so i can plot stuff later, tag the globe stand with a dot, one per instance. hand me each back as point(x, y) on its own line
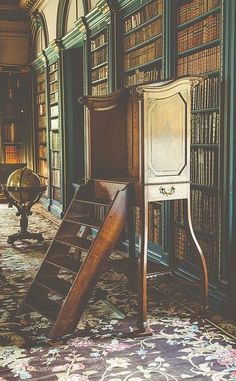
point(24, 212)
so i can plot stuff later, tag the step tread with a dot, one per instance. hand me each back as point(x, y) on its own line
point(94, 200)
point(66, 263)
point(59, 285)
point(43, 306)
point(87, 221)
point(79, 242)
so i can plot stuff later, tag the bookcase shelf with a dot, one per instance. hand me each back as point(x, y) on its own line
point(198, 42)
point(192, 11)
point(99, 63)
point(143, 44)
point(198, 18)
point(198, 48)
point(13, 125)
point(41, 144)
point(55, 134)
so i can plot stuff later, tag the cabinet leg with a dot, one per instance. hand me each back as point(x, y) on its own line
point(142, 263)
point(198, 251)
point(132, 265)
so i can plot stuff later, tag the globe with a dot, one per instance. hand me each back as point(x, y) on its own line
point(23, 185)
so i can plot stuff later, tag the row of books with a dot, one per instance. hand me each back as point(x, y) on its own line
point(143, 34)
point(11, 110)
point(144, 14)
point(199, 33)
point(41, 98)
point(56, 178)
point(205, 128)
point(41, 87)
point(184, 252)
point(100, 89)
point(53, 87)
point(100, 73)
point(53, 76)
point(44, 181)
point(13, 154)
point(42, 151)
point(206, 60)
point(54, 110)
point(53, 67)
point(11, 132)
point(42, 167)
point(41, 121)
point(190, 10)
point(142, 76)
point(41, 109)
point(204, 211)
point(206, 94)
point(143, 55)
point(40, 77)
point(54, 124)
point(12, 95)
point(155, 223)
point(203, 166)
point(13, 82)
point(55, 159)
point(99, 40)
point(42, 136)
point(99, 212)
point(53, 98)
point(99, 56)
point(55, 141)
point(56, 193)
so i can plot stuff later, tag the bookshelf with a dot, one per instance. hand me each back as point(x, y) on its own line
point(41, 135)
point(198, 42)
point(99, 63)
point(13, 120)
point(55, 134)
point(143, 44)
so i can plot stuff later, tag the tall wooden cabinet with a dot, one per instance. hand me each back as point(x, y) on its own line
point(162, 132)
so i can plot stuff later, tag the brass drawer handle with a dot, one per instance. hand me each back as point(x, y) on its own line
point(167, 192)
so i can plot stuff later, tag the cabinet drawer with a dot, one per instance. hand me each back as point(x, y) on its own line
point(170, 191)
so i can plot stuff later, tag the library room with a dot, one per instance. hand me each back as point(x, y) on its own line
point(117, 182)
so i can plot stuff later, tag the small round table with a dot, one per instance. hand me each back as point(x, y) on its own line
point(23, 208)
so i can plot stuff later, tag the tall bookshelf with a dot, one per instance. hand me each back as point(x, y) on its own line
point(198, 49)
point(41, 135)
point(55, 134)
point(13, 120)
point(99, 63)
point(143, 44)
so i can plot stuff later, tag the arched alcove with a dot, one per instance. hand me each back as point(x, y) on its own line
point(40, 34)
point(68, 12)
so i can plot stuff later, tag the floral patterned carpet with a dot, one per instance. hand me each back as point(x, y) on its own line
point(181, 346)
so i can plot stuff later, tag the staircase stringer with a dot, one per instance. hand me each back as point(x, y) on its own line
point(103, 244)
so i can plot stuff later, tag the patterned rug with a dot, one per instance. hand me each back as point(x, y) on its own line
point(181, 346)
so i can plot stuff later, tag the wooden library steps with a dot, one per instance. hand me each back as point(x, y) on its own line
point(64, 282)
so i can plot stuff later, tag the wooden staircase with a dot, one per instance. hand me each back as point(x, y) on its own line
point(64, 282)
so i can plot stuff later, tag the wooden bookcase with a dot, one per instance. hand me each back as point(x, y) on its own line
point(13, 119)
point(41, 126)
point(55, 134)
point(99, 63)
point(143, 44)
point(198, 49)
